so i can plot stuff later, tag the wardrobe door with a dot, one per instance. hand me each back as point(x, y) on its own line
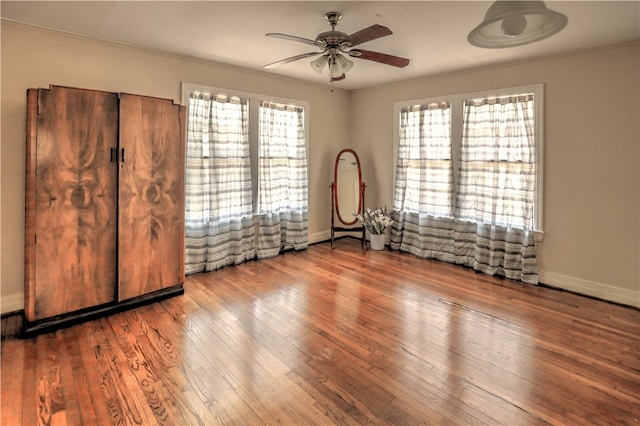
point(151, 200)
point(70, 200)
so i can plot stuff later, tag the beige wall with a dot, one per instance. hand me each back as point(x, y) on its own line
point(591, 148)
point(592, 138)
point(34, 57)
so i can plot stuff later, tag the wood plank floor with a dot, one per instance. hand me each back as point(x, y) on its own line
point(340, 336)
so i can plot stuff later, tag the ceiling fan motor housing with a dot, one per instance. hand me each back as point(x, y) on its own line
point(333, 18)
point(332, 38)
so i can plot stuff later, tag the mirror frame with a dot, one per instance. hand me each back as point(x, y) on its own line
point(335, 183)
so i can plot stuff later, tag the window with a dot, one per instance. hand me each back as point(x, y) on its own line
point(282, 158)
point(497, 162)
point(222, 164)
point(246, 177)
point(468, 181)
point(424, 159)
point(465, 156)
point(283, 200)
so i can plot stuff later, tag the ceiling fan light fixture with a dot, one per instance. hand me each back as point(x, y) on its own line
point(514, 23)
point(319, 64)
point(335, 70)
point(344, 63)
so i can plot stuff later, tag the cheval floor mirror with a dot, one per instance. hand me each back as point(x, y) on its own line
point(347, 195)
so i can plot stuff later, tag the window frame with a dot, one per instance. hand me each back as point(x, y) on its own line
point(457, 109)
point(254, 105)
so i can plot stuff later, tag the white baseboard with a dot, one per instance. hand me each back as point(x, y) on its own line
point(11, 303)
point(318, 237)
point(591, 288)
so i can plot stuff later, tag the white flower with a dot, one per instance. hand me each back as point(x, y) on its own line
point(375, 221)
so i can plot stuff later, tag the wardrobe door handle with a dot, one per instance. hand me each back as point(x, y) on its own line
point(122, 155)
point(114, 155)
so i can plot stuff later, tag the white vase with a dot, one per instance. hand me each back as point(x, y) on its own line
point(377, 241)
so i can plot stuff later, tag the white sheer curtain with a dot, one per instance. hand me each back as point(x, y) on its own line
point(424, 177)
point(496, 191)
point(498, 162)
point(487, 223)
point(219, 228)
point(283, 193)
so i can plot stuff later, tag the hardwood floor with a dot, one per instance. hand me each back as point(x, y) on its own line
point(340, 336)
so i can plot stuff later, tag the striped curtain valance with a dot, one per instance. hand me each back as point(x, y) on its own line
point(426, 107)
point(513, 99)
point(217, 97)
point(282, 107)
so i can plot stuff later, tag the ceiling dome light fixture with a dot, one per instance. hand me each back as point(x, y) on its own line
point(514, 23)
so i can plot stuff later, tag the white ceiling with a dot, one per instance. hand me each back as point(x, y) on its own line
point(432, 34)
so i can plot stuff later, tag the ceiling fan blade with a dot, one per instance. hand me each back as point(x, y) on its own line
point(370, 33)
point(342, 77)
point(295, 38)
point(291, 59)
point(383, 58)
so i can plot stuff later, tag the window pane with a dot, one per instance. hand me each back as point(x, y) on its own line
point(218, 170)
point(424, 176)
point(282, 159)
point(497, 166)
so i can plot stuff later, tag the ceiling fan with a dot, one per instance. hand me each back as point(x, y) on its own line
point(334, 45)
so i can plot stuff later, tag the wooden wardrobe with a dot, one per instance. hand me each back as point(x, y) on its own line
point(104, 204)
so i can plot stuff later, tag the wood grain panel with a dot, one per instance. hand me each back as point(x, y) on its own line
point(30, 206)
point(72, 216)
point(151, 200)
